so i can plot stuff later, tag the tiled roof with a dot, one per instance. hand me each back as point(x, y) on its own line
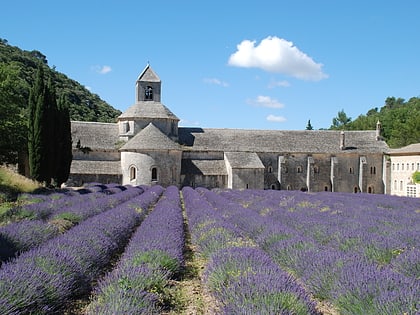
point(287, 141)
point(148, 75)
point(148, 109)
point(409, 149)
point(203, 167)
point(244, 160)
point(95, 135)
point(150, 138)
point(95, 167)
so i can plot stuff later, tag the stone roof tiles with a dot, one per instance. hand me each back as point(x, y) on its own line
point(203, 167)
point(148, 109)
point(244, 160)
point(95, 167)
point(148, 75)
point(150, 138)
point(95, 135)
point(310, 141)
point(413, 149)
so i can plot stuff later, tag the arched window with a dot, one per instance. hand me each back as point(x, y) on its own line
point(326, 188)
point(133, 173)
point(393, 166)
point(299, 169)
point(148, 93)
point(273, 187)
point(270, 169)
point(356, 189)
point(395, 185)
point(351, 170)
point(154, 174)
point(370, 190)
point(373, 170)
point(288, 187)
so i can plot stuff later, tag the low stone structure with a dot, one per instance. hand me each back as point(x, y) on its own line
point(147, 147)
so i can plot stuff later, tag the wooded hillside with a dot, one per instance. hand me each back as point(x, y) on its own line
point(84, 105)
point(400, 121)
point(17, 75)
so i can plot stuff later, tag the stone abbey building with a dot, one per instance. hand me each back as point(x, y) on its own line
point(147, 147)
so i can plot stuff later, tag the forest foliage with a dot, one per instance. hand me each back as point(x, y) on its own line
point(400, 121)
point(17, 75)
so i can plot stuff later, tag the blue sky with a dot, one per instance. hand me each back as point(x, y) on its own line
point(231, 64)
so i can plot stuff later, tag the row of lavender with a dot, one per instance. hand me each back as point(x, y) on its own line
point(241, 276)
point(359, 252)
point(57, 213)
point(44, 279)
point(152, 258)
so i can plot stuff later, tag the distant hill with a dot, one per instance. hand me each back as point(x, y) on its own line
point(84, 105)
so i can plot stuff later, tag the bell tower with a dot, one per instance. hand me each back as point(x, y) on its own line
point(148, 86)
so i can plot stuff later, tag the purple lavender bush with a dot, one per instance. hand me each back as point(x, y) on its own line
point(44, 279)
point(153, 256)
point(247, 281)
point(242, 277)
point(357, 251)
point(23, 235)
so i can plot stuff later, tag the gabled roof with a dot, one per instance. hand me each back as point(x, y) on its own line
point(283, 141)
point(95, 135)
point(95, 167)
point(244, 160)
point(411, 149)
point(148, 75)
point(203, 167)
point(150, 138)
point(148, 109)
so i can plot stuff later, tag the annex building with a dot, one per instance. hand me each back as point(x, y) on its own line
point(146, 147)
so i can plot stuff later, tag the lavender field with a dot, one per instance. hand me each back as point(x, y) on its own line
point(110, 249)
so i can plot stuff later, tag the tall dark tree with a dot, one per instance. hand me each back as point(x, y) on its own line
point(49, 138)
point(36, 128)
point(309, 125)
point(64, 143)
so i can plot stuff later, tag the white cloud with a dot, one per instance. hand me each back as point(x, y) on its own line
point(278, 55)
point(266, 101)
point(282, 83)
point(274, 118)
point(102, 69)
point(216, 82)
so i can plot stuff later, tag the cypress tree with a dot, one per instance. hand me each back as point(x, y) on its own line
point(49, 138)
point(64, 142)
point(35, 127)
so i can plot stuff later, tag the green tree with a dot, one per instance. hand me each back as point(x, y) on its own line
point(341, 121)
point(12, 118)
point(64, 143)
point(36, 128)
point(49, 138)
point(309, 126)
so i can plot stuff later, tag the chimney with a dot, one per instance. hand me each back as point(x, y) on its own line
point(378, 131)
point(342, 141)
